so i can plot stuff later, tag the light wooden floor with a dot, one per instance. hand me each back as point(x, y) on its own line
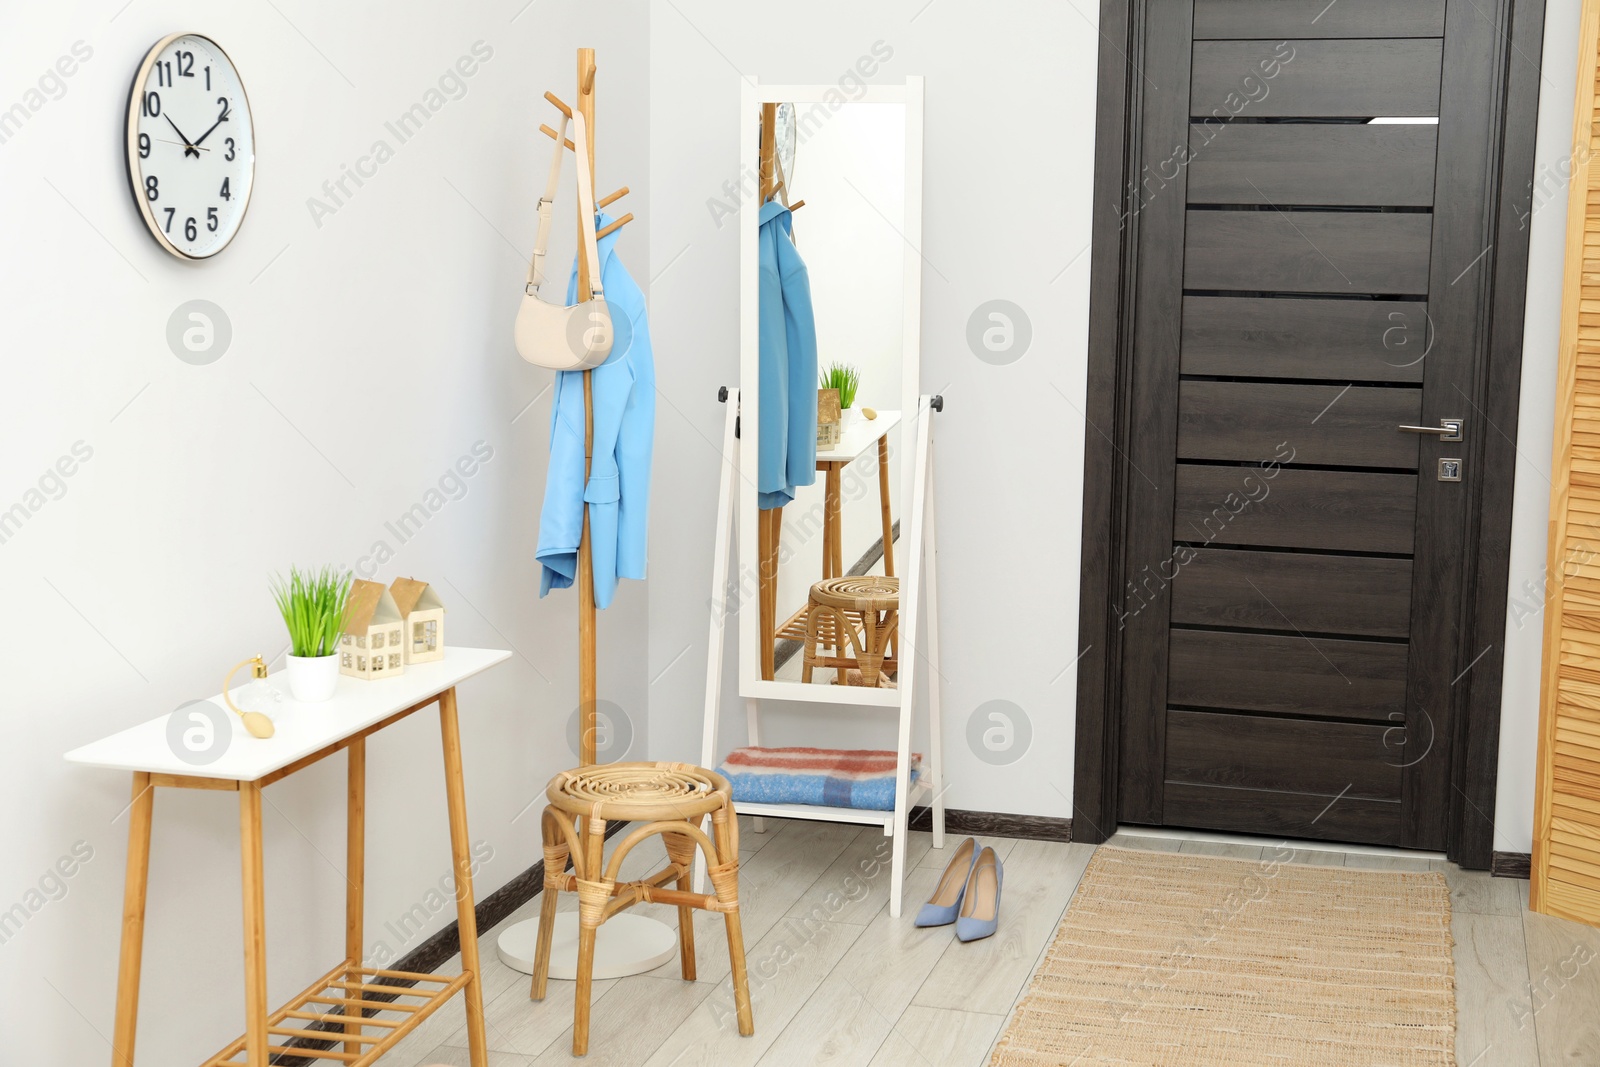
point(835, 980)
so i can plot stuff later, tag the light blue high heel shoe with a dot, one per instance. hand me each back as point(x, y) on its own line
point(942, 908)
point(980, 907)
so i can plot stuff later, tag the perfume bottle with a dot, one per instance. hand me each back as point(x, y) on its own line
point(256, 699)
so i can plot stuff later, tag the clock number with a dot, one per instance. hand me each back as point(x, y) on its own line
point(185, 64)
point(152, 104)
point(171, 211)
point(222, 102)
point(229, 143)
point(189, 232)
point(152, 188)
point(208, 79)
point(144, 146)
point(163, 73)
point(225, 194)
point(211, 219)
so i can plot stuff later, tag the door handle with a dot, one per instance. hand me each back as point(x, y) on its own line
point(1448, 429)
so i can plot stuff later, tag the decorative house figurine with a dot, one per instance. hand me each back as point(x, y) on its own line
point(829, 418)
point(423, 613)
point(374, 633)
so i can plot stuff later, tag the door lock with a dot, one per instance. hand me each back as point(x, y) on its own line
point(1448, 429)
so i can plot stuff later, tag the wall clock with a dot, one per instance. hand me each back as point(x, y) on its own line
point(191, 145)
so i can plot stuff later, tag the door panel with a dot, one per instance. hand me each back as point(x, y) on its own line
point(1319, 79)
point(1284, 814)
point(1340, 252)
point(1356, 595)
point(1305, 285)
point(1359, 681)
point(1282, 164)
point(1343, 511)
point(1317, 18)
point(1330, 425)
point(1280, 337)
point(1254, 752)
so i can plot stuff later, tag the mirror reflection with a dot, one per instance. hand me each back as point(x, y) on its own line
point(832, 311)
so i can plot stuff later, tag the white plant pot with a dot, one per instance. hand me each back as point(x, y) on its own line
point(849, 418)
point(312, 679)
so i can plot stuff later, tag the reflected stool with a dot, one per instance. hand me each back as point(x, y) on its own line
point(859, 613)
point(669, 799)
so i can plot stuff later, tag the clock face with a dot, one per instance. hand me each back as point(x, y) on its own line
point(191, 146)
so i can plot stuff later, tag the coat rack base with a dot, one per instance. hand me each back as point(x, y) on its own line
point(625, 944)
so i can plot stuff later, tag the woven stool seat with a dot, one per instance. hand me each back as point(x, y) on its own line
point(635, 792)
point(859, 592)
point(858, 617)
point(670, 800)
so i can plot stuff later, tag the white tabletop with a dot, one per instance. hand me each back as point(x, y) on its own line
point(301, 728)
point(859, 436)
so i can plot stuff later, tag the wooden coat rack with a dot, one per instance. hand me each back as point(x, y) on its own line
point(628, 944)
point(588, 685)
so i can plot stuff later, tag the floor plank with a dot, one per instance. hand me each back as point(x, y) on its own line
point(984, 976)
point(1478, 892)
point(855, 887)
point(1564, 970)
point(1225, 849)
point(1317, 857)
point(855, 1010)
point(1153, 844)
point(1366, 861)
point(1491, 984)
point(926, 1036)
point(786, 968)
point(630, 1021)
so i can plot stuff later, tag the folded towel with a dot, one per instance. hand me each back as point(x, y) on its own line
point(834, 778)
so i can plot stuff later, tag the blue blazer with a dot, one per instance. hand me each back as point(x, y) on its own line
point(788, 410)
point(618, 490)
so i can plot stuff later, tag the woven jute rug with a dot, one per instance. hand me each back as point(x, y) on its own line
point(1193, 961)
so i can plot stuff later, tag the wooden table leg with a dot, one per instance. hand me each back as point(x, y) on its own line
point(770, 529)
point(140, 813)
point(883, 505)
point(461, 854)
point(833, 553)
point(355, 878)
point(255, 925)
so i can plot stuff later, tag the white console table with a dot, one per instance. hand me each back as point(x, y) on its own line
point(348, 995)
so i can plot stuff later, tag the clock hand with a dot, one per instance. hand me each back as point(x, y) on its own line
point(187, 146)
point(214, 125)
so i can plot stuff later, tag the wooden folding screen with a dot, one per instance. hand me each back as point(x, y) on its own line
point(1566, 836)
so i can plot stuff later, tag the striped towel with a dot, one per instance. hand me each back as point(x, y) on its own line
point(834, 778)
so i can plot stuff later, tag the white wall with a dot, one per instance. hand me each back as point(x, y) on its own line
point(1530, 513)
point(368, 354)
point(1008, 172)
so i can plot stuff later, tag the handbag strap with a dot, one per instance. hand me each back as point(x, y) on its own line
point(591, 247)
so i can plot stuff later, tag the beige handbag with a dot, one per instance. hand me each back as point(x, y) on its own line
point(553, 335)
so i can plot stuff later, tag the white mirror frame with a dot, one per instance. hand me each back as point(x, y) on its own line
point(754, 94)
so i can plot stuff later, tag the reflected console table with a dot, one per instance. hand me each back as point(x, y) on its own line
point(858, 438)
point(342, 1003)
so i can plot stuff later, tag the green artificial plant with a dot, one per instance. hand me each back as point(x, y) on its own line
point(845, 378)
point(313, 604)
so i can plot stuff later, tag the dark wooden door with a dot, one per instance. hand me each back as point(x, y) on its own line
point(1304, 288)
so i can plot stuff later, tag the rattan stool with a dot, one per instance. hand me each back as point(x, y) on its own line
point(670, 799)
point(837, 605)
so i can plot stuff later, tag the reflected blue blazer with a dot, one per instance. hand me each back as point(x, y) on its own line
point(788, 454)
point(618, 490)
